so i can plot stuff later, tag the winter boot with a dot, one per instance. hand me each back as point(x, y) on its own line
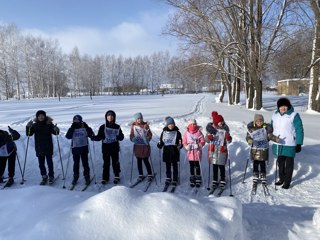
point(51, 180)
point(174, 183)
point(255, 177)
point(116, 180)
point(44, 180)
point(263, 178)
point(192, 181)
point(1, 179)
point(168, 181)
point(104, 182)
point(150, 177)
point(222, 184)
point(75, 179)
point(198, 181)
point(140, 177)
point(87, 179)
point(214, 184)
point(10, 181)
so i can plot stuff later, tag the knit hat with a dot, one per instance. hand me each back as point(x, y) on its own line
point(138, 115)
point(77, 118)
point(283, 102)
point(169, 120)
point(218, 119)
point(258, 117)
point(192, 121)
point(41, 112)
point(214, 114)
point(112, 113)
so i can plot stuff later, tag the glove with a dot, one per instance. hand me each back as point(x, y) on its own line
point(277, 139)
point(187, 147)
point(210, 137)
point(250, 141)
point(228, 138)
point(298, 148)
point(74, 125)
point(133, 139)
point(159, 145)
point(195, 146)
point(179, 146)
point(11, 131)
point(30, 123)
point(56, 129)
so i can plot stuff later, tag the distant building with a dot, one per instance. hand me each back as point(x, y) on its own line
point(171, 88)
point(293, 86)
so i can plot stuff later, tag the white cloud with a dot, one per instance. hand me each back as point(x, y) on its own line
point(126, 38)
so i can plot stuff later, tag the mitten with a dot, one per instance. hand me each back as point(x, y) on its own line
point(187, 147)
point(195, 146)
point(210, 137)
point(228, 138)
point(133, 139)
point(159, 145)
point(30, 123)
point(250, 141)
point(56, 129)
point(298, 148)
point(11, 131)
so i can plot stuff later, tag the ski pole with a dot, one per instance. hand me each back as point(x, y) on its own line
point(230, 177)
point(19, 162)
point(57, 134)
point(160, 163)
point(275, 175)
point(92, 166)
point(25, 157)
point(209, 169)
point(64, 181)
point(131, 165)
point(245, 171)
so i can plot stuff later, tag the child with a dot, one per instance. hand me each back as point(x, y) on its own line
point(258, 136)
point(110, 133)
point(171, 140)
point(193, 141)
point(43, 128)
point(141, 135)
point(8, 153)
point(218, 136)
point(79, 133)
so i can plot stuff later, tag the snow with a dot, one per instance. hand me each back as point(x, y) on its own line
point(30, 211)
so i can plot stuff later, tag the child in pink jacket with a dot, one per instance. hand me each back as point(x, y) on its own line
point(193, 141)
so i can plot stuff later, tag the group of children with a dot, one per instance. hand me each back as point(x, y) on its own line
point(171, 140)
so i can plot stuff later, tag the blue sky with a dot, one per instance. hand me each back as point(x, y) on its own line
point(127, 27)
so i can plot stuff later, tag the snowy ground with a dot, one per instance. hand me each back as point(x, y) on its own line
point(30, 211)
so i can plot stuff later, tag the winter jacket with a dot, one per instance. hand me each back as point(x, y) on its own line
point(140, 135)
point(259, 137)
point(7, 146)
point(193, 141)
point(42, 136)
point(288, 127)
point(79, 133)
point(171, 141)
point(218, 139)
point(110, 133)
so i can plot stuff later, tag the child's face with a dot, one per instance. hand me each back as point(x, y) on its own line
point(220, 124)
point(110, 118)
point(41, 117)
point(171, 126)
point(283, 109)
point(259, 123)
point(139, 120)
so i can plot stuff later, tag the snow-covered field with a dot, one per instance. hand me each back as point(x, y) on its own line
point(30, 211)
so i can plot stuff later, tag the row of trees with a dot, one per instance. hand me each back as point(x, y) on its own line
point(36, 67)
point(242, 40)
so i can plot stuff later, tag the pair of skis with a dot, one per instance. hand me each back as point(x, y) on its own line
point(166, 188)
point(140, 180)
point(264, 188)
point(213, 189)
point(44, 182)
point(72, 186)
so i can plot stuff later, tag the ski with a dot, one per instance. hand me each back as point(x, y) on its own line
point(254, 189)
point(137, 182)
point(148, 184)
point(173, 189)
point(166, 186)
point(87, 185)
point(212, 190)
point(72, 186)
point(220, 192)
point(7, 184)
point(50, 183)
point(265, 190)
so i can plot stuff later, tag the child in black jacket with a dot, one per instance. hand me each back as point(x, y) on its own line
point(110, 133)
point(170, 140)
point(79, 133)
point(8, 153)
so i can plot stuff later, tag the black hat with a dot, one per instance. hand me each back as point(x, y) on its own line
point(283, 102)
point(77, 118)
point(112, 113)
point(41, 112)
